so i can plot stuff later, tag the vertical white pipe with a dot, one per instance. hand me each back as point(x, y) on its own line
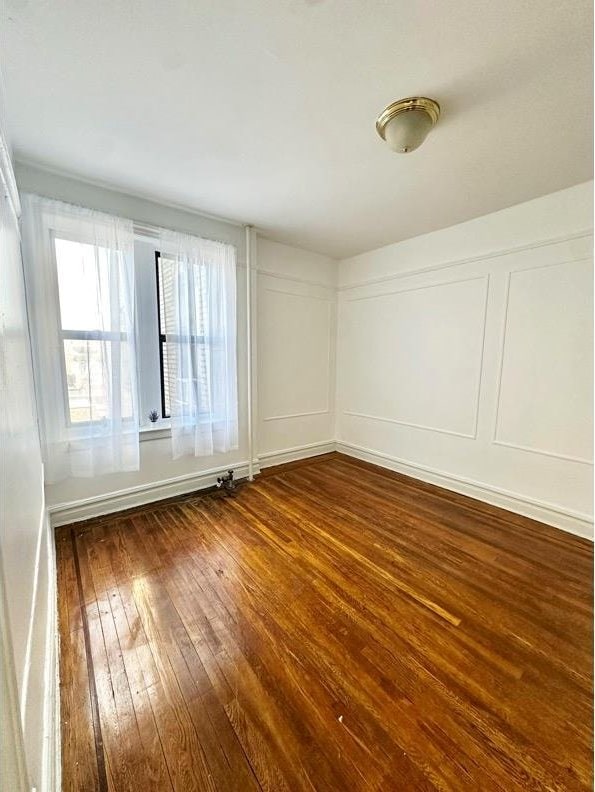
point(248, 230)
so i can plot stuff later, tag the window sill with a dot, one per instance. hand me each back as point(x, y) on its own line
point(160, 430)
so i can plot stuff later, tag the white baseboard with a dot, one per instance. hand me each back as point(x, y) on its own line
point(84, 509)
point(549, 513)
point(270, 458)
point(552, 514)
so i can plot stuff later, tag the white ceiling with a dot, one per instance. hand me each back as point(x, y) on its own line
point(263, 110)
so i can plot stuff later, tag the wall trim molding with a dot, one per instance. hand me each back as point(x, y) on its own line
point(542, 452)
point(502, 352)
point(294, 279)
point(549, 513)
point(406, 289)
point(97, 505)
point(472, 435)
point(296, 415)
point(270, 458)
point(410, 424)
point(469, 260)
point(331, 318)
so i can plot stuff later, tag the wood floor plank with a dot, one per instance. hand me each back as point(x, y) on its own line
point(332, 626)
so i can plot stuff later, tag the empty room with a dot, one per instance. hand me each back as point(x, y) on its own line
point(296, 396)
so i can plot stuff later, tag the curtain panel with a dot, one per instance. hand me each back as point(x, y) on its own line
point(198, 300)
point(79, 270)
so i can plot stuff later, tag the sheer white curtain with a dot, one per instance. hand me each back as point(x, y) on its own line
point(198, 303)
point(79, 267)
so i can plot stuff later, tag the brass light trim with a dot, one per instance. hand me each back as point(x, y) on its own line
point(431, 107)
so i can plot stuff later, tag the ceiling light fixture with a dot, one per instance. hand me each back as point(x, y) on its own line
point(405, 124)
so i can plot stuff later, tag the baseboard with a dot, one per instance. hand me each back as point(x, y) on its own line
point(84, 509)
point(549, 513)
point(270, 458)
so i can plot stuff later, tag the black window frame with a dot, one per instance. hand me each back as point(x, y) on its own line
point(192, 339)
point(162, 337)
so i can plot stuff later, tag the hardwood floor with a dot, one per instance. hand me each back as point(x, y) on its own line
point(333, 626)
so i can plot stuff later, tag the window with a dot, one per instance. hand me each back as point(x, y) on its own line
point(91, 349)
point(194, 345)
point(163, 349)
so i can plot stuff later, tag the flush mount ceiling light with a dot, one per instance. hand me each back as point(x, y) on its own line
point(405, 124)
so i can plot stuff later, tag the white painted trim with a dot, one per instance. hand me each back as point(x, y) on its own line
point(550, 513)
point(471, 260)
point(330, 355)
point(296, 279)
point(157, 432)
point(249, 367)
point(501, 353)
point(424, 286)
point(412, 425)
point(84, 509)
point(542, 452)
point(296, 415)
point(74, 511)
point(270, 458)
point(469, 436)
point(7, 176)
point(298, 295)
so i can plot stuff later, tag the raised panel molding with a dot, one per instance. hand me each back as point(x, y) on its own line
point(294, 279)
point(296, 415)
point(415, 425)
point(296, 294)
point(502, 351)
point(330, 302)
point(470, 260)
point(479, 364)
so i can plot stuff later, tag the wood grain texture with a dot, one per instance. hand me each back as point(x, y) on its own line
point(333, 626)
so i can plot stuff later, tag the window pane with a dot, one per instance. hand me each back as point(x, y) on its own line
point(195, 390)
point(88, 367)
point(84, 285)
point(166, 382)
point(160, 266)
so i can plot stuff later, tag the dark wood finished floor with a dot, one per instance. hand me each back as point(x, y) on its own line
point(333, 626)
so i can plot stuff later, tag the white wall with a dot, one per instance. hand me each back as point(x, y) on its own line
point(465, 357)
point(296, 302)
point(26, 557)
